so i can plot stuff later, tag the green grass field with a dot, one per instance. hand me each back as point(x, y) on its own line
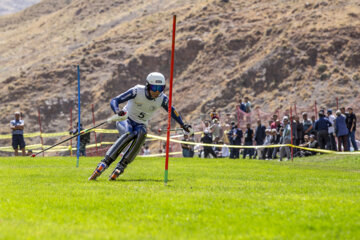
point(311, 198)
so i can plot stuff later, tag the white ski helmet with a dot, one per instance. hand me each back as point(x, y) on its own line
point(155, 82)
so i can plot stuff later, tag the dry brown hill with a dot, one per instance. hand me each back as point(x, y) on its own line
point(274, 51)
point(12, 6)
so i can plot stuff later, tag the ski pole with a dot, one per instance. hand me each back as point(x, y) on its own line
point(111, 119)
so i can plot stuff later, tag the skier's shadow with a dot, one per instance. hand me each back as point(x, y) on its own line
point(141, 180)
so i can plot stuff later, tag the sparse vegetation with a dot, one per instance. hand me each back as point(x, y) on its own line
point(322, 68)
point(356, 77)
point(324, 76)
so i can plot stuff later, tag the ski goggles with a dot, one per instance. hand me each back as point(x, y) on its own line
point(156, 88)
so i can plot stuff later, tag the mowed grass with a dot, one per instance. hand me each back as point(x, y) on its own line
point(311, 198)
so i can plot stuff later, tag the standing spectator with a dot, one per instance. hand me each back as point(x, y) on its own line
point(341, 131)
point(187, 149)
point(242, 105)
point(278, 140)
point(248, 141)
point(84, 139)
point(331, 145)
point(273, 124)
point(272, 142)
point(265, 153)
point(342, 109)
point(247, 105)
point(351, 125)
point(207, 127)
point(217, 132)
point(322, 128)
point(278, 125)
point(17, 127)
point(294, 133)
point(300, 131)
point(235, 135)
point(226, 134)
point(207, 138)
point(286, 139)
point(260, 135)
point(313, 131)
point(307, 124)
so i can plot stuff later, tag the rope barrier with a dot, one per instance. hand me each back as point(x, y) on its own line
point(152, 137)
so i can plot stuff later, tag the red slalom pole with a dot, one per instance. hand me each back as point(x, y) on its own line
point(170, 99)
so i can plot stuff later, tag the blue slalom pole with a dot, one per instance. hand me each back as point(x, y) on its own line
point(79, 119)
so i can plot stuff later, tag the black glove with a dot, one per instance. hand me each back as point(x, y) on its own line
point(120, 113)
point(186, 127)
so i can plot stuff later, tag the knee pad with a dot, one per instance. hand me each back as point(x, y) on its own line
point(134, 148)
point(115, 150)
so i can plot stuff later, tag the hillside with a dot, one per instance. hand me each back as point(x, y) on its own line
point(276, 52)
point(12, 6)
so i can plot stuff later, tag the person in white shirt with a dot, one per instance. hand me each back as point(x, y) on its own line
point(17, 127)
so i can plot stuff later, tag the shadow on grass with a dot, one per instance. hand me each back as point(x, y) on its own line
point(141, 180)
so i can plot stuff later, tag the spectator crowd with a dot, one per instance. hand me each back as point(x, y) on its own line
point(330, 131)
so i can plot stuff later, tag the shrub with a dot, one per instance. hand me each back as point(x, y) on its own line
point(356, 77)
point(322, 68)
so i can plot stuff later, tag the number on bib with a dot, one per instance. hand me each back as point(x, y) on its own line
point(141, 115)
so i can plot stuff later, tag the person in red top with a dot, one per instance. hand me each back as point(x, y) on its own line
point(273, 124)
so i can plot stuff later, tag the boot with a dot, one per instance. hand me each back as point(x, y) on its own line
point(99, 169)
point(115, 174)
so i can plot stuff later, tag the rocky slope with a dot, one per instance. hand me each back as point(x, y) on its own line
point(276, 52)
point(12, 6)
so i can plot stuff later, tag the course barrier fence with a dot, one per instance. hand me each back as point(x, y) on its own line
point(150, 137)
